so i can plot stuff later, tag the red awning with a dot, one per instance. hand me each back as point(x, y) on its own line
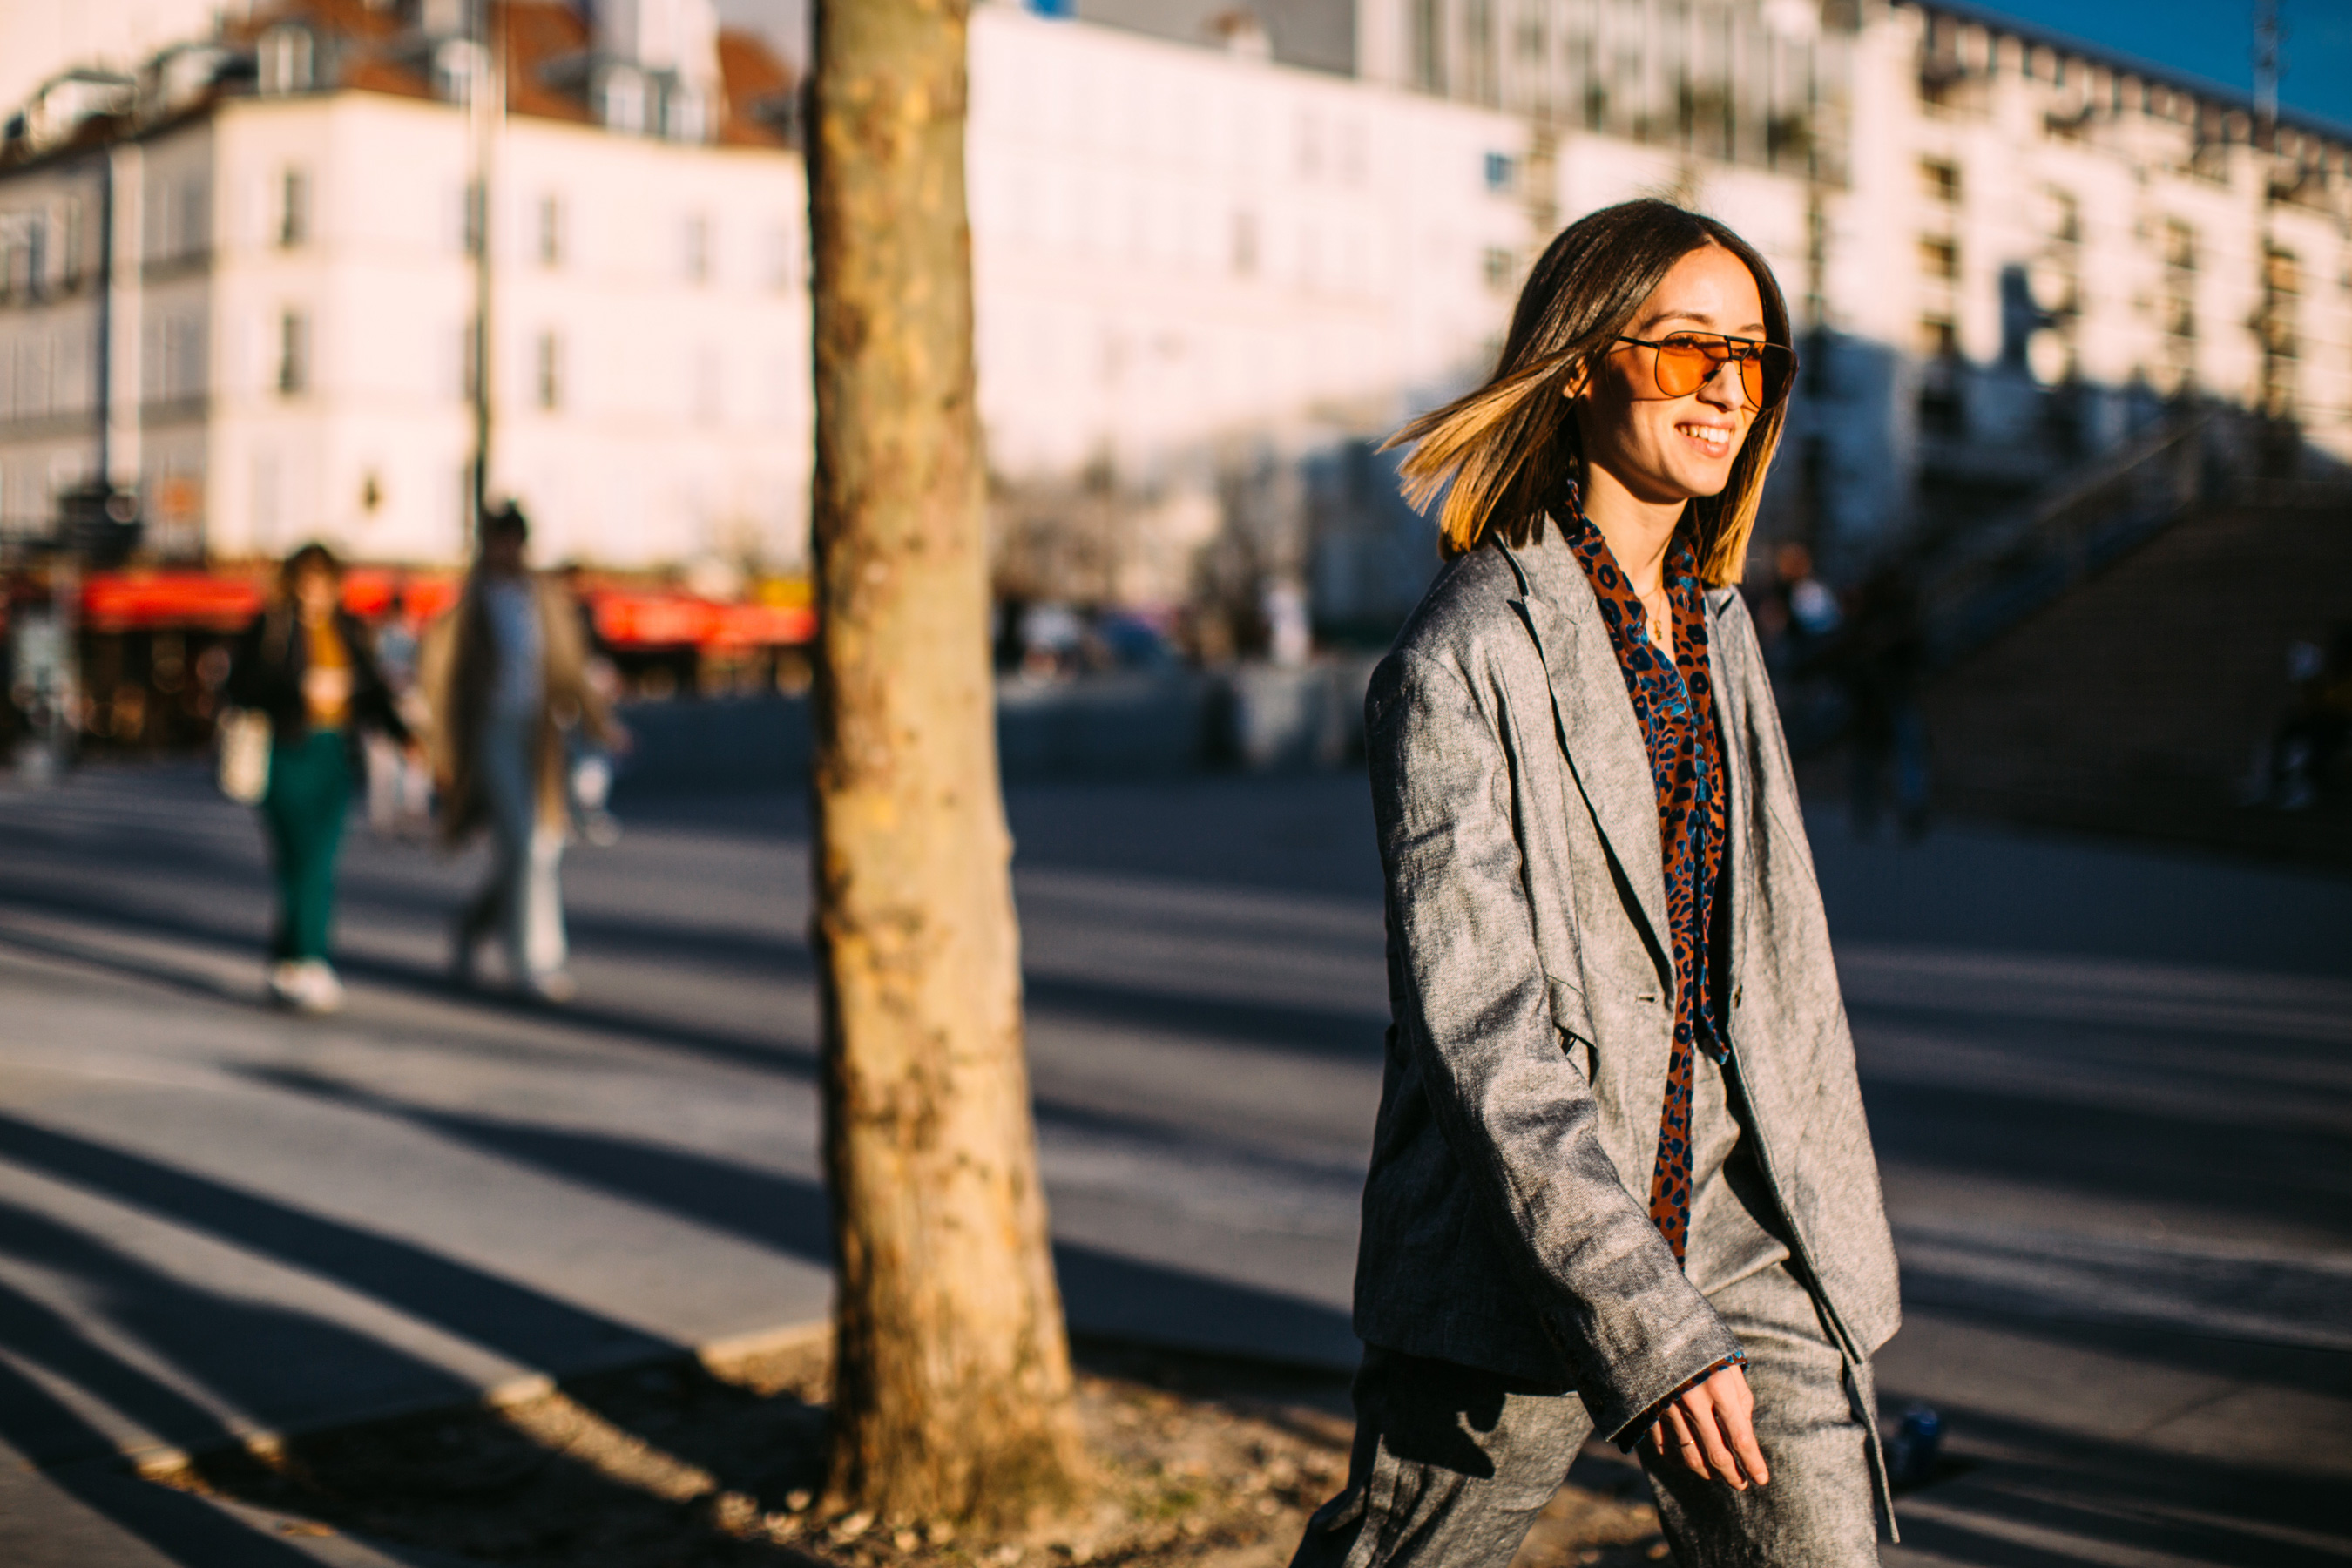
point(625, 618)
point(156, 600)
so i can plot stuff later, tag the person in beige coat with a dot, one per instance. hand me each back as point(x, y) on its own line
point(506, 674)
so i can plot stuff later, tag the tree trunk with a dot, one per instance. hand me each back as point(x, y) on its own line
point(952, 1389)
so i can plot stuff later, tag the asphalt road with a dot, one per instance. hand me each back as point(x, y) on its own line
point(2111, 1089)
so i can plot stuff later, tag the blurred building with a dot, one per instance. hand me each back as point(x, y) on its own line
point(1196, 271)
point(1219, 252)
point(241, 285)
point(2018, 250)
point(2047, 250)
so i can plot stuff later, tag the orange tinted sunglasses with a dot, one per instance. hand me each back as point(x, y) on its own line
point(1688, 361)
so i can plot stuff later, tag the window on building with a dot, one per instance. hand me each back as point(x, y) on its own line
point(190, 227)
point(182, 371)
point(698, 249)
point(1429, 45)
point(468, 361)
point(20, 250)
point(457, 64)
point(2179, 246)
point(73, 240)
point(283, 61)
point(293, 354)
point(293, 206)
point(1939, 257)
point(551, 231)
point(2064, 215)
point(1244, 253)
point(1942, 179)
point(1940, 339)
point(1499, 266)
point(1502, 172)
point(620, 95)
point(686, 114)
point(547, 365)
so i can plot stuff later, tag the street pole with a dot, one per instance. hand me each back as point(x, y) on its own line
point(2276, 399)
point(2268, 34)
point(486, 112)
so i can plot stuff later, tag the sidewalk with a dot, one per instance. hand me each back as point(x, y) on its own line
point(2111, 1095)
point(94, 1514)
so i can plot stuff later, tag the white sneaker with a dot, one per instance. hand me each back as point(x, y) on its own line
point(555, 987)
point(285, 983)
point(318, 990)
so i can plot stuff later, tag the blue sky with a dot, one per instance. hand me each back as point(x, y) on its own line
point(2214, 39)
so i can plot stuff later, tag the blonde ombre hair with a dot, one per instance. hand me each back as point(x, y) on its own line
point(1511, 450)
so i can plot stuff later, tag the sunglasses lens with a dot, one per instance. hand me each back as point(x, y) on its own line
point(1685, 364)
point(1684, 367)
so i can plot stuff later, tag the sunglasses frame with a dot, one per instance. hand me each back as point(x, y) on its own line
point(1657, 365)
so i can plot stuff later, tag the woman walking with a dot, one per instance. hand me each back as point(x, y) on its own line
point(1621, 1181)
point(307, 663)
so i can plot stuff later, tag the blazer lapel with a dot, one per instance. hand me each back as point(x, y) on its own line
point(1598, 728)
point(1728, 666)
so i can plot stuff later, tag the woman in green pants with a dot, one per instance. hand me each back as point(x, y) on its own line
point(308, 663)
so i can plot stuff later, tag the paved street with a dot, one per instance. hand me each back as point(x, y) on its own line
point(2112, 1091)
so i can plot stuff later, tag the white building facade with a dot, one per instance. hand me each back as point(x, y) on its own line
point(1207, 283)
point(290, 324)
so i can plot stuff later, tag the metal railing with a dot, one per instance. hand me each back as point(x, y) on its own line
point(1974, 586)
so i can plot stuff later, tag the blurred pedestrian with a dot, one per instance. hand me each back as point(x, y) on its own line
point(1610, 973)
point(399, 784)
point(2301, 764)
point(505, 675)
point(1880, 659)
point(1798, 613)
point(308, 666)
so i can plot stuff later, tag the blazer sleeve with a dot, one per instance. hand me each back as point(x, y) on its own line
point(1517, 1112)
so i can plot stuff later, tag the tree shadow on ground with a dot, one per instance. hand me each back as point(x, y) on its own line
point(1103, 1293)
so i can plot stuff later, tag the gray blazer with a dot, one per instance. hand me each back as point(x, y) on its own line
point(1531, 980)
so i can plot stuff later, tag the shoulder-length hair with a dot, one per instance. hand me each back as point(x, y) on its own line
point(1511, 448)
point(304, 559)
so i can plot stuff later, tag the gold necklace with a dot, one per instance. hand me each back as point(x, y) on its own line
point(1661, 625)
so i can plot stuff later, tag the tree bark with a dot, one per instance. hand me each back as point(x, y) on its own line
point(953, 1388)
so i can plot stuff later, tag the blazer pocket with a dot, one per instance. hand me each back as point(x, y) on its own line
point(1574, 1022)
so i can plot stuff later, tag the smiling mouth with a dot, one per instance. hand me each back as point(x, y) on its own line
point(1714, 439)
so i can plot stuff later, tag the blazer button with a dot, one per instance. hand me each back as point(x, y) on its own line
point(1735, 996)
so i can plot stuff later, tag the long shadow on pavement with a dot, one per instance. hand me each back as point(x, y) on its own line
point(2119, 1494)
point(1103, 1293)
point(531, 1328)
point(2242, 1165)
point(1287, 1027)
point(252, 1355)
point(181, 1528)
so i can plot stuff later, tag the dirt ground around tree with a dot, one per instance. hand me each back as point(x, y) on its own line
point(714, 1463)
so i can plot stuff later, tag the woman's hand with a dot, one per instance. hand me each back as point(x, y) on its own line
point(1707, 1425)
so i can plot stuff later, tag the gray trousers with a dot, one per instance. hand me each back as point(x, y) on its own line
point(1451, 1464)
point(522, 898)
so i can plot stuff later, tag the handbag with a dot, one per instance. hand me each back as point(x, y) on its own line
point(243, 762)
